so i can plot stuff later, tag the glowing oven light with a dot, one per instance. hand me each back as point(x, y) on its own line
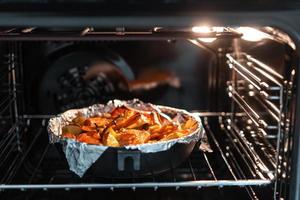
point(207, 29)
point(252, 34)
point(201, 29)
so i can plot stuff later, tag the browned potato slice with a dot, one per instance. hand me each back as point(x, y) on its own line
point(144, 119)
point(123, 123)
point(79, 120)
point(87, 139)
point(109, 138)
point(112, 141)
point(112, 132)
point(190, 124)
point(119, 111)
point(106, 115)
point(137, 124)
point(133, 137)
point(156, 136)
point(71, 129)
point(99, 121)
point(173, 135)
point(154, 128)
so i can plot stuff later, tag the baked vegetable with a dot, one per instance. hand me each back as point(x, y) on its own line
point(125, 126)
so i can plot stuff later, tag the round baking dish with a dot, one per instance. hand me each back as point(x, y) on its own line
point(128, 161)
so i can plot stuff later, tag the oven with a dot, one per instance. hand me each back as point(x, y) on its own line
point(236, 65)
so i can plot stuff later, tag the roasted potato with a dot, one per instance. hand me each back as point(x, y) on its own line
point(79, 120)
point(84, 137)
point(71, 129)
point(97, 121)
point(128, 126)
point(111, 141)
point(133, 137)
point(88, 128)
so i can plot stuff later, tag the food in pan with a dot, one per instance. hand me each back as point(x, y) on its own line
point(125, 126)
point(105, 135)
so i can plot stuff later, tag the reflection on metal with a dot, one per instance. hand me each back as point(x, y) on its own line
point(207, 40)
point(252, 34)
point(204, 183)
point(264, 95)
point(280, 36)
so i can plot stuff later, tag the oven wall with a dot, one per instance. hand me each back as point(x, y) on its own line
point(190, 64)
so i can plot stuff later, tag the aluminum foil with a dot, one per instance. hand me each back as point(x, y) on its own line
point(81, 156)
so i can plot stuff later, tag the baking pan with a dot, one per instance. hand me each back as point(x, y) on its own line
point(123, 162)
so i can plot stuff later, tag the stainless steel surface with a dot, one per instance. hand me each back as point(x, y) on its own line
point(113, 33)
point(261, 92)
point(206, 183)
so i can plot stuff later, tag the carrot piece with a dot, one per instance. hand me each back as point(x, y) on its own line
point(94, 134)
point(83, 137)
point(118, 111)
point(126, 122)
point(88, 128)
point(156, 136)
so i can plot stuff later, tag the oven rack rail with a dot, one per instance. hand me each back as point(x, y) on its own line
point(9, 106)
point(258, 90)
point(200, 170)
point(94, 33)
point(262, 80)
point(134, 186)
point(264, 96)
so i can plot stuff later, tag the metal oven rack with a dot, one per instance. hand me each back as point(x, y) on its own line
point(219, 168)
point(10, 143)
point(263, 95)
point(95, 33)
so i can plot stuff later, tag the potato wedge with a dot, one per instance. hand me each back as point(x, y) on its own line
point(88, 128)
point(190, 124)
point(124, 122)
point(79, 120)
point(83, 137)
point(124, 126)
point(112, 141)
point(172, 135)
point(74, 129)
point(119, 111)
point(98, 121)
point(94, 134)
point(133, 137)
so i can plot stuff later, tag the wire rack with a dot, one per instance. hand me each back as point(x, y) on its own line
point(10, 144)
point(42, 166)
point(94, 33)
point(264, 96)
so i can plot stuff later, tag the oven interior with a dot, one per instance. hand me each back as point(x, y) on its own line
point(240, 79)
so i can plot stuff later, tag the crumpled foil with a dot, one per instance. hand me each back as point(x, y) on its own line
point(81, 156)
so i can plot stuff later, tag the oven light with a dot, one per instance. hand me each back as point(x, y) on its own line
point(252, 34)
point(207, 29)
point(157, 29)
point(207, 40)
point(201, 29)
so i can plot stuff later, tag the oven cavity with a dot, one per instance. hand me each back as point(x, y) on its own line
point(241, 80)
